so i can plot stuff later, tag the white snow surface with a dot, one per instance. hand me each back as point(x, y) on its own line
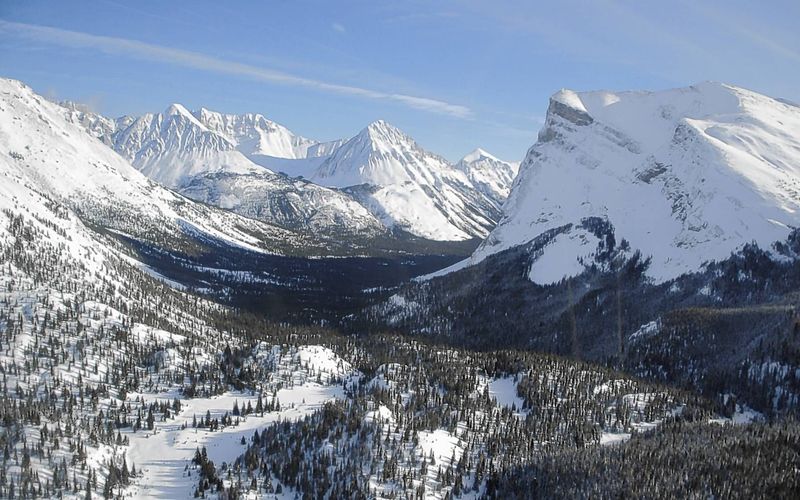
point(408, 186)
point(490, 175)
point(504, 391)
point(254, 134)
point(685, 175)
point(49, 163)
point(564, 257)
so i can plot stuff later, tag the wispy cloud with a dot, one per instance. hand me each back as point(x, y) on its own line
point(746, 27)
point(338, 28)
point(196, 60)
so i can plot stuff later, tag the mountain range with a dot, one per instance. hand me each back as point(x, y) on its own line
point(192, 305)
point(379, 184)
point(53, 168)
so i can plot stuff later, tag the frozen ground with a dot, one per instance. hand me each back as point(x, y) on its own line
point(163, 456)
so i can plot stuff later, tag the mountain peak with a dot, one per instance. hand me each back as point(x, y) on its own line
point(383, 132)
point(380, 125)
point(490, 175)
point(478, 154)
point(177, 109)
point(410, 188)
point(685, 175)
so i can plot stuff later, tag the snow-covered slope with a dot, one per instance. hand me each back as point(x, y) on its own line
point(201, 156)
point(174, 146)
point(291, 203)
point(50, 165)
point(407, 186)
point(684, 175)
point(255, 135)
point(490, 175)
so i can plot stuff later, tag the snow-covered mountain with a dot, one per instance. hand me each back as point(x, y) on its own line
point(172, 147)
point(408, 187)
point(177, 149)
point(684, 176)
point(288, 202)
point(490, 175)
point(254, 135)
point(57, 172)
point(378, 180)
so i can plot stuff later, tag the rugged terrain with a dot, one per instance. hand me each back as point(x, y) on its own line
point(154, 346)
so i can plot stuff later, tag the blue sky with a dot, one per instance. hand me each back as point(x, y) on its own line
point(453, 74)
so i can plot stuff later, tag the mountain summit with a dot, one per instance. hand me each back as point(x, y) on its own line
point(380, 154)
point(490, 175)
point(408, 187)
point(684, 176)
point(254, 134)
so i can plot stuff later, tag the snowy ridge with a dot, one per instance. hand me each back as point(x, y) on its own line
point(490, 175)
point(50, 163)
point(685, 175)
point(97, 125)
point(174, 146)
point(253, 134)
point(408, 186)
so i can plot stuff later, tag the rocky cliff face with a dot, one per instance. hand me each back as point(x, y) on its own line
point(684, 176)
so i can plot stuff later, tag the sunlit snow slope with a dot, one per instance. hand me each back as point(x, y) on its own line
point(407, 186)
point(684, 175)
point(490, 175)
point(48, 161)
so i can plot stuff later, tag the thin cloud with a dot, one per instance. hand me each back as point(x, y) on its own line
point(742, 26)
point(338, 28)
point(196, 60)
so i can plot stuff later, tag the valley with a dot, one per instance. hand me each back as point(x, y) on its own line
point(184, 314)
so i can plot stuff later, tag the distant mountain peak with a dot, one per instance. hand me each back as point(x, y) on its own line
point(478, 154)
point(408, 187)
point(489, 174)
point(380, 125)
point(177, 109)
point(382, 133)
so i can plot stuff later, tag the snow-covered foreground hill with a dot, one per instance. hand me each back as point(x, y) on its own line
point(297, 382)
point(684, 176)
point(139, 388)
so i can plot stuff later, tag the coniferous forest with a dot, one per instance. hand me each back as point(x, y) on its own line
point(203, 303)
point(98, 362)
